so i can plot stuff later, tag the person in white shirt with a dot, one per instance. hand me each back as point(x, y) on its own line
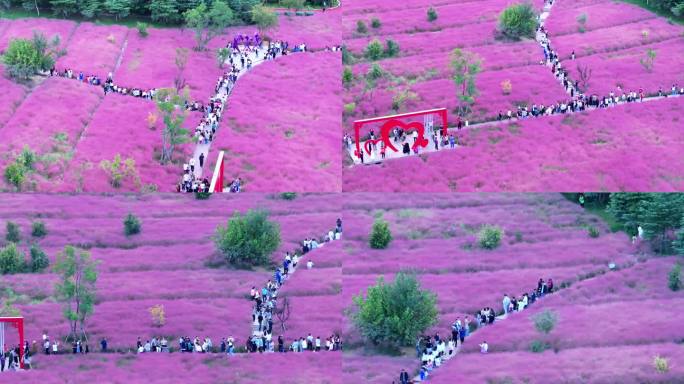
point(484, 347)
point(309, 264)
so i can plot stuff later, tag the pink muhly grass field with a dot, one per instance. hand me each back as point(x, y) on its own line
point(120, 126)
point(581, 152)
point(71, 106)
point(23, 28)
point(605, 14)
point(631, 364)
point(288, 368)
point(280, 130)
point(11, 97)
point(94, 49)
point(169, 254)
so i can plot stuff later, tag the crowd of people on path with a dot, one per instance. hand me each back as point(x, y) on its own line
point(265, 303)
point(433, 350)
point(9, 358)
point(243, 49)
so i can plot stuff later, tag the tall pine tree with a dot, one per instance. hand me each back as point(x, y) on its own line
point(659, 216)
point(164, 10)
point(118, 8)
point(625, 208)
point(64, 7)
point(90, 8)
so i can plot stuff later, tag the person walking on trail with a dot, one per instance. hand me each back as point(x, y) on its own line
point(506, 303)
point(403, 377)
point(484, 347)
point(201, 160)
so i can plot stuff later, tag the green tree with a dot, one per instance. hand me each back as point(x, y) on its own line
point(38, 229)
point(660, 215)
point(171, 106)
point(13, 233)
point(431, 14)
point(394, 314)
point(142, 29)
point(248, 240)
point(678, 243)
point(465, 66)
point(242, 9)
point(264, 18)
point(181, 61)
point(15, 175)
point(119, 170)
point(489, 236)
point(222, 55)
point(131, 225)
point(375, 23)
point(381, 235)
point(118, 8)
point(27, 158)
point(64, 7)
point(164, 10)
point(545, 321)
point(39, 260)
point(76, 288)
point(24, 58)
point(374, 50)
point(674, 281)
point(648, 60)
point(293, 4)
point(625, 208)
point(11, 259)
point(208, 22)
point(90, 8)
point(518, 21)
point(361, 27)
point(347, 77)
point(391, 48)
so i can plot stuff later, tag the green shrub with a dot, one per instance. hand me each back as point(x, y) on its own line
point(15, 174)
point(347, 77)
point(431, 14)
point(582, 21)
point(593, 232)
point(11, 260)
point(518, 236)
point(248, 240)
point(361, 27)
point(380, 236)
point(489, 236)
point(131, 225)
point(27, 158)
point(349, 108)
point(545, 321)
point(538, 346)
point(38, 229)
point(518, 21)
point(142, 29)
point(202, 195)
point(674, 281)
point(374, 50)
point(12, 233)
point(391, 48)
point(661, 364)
point(347, 57)
point(375, 23)
point(394, 314)
point(288, 195)
point(39, 260)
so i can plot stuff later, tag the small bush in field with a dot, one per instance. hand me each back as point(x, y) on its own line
point(490, 236)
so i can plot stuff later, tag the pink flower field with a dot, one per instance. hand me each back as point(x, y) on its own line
point(166, 265)
point(281, 126)
point(590, 156)
point(119, 369)
point(96, 129)
point(629, 313)
point(596, 150)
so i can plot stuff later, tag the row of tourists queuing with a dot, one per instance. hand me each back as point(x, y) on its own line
point(578, 102)
point(434, 350)
point(108, 86)
point(245, 52)
point(266, 304)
